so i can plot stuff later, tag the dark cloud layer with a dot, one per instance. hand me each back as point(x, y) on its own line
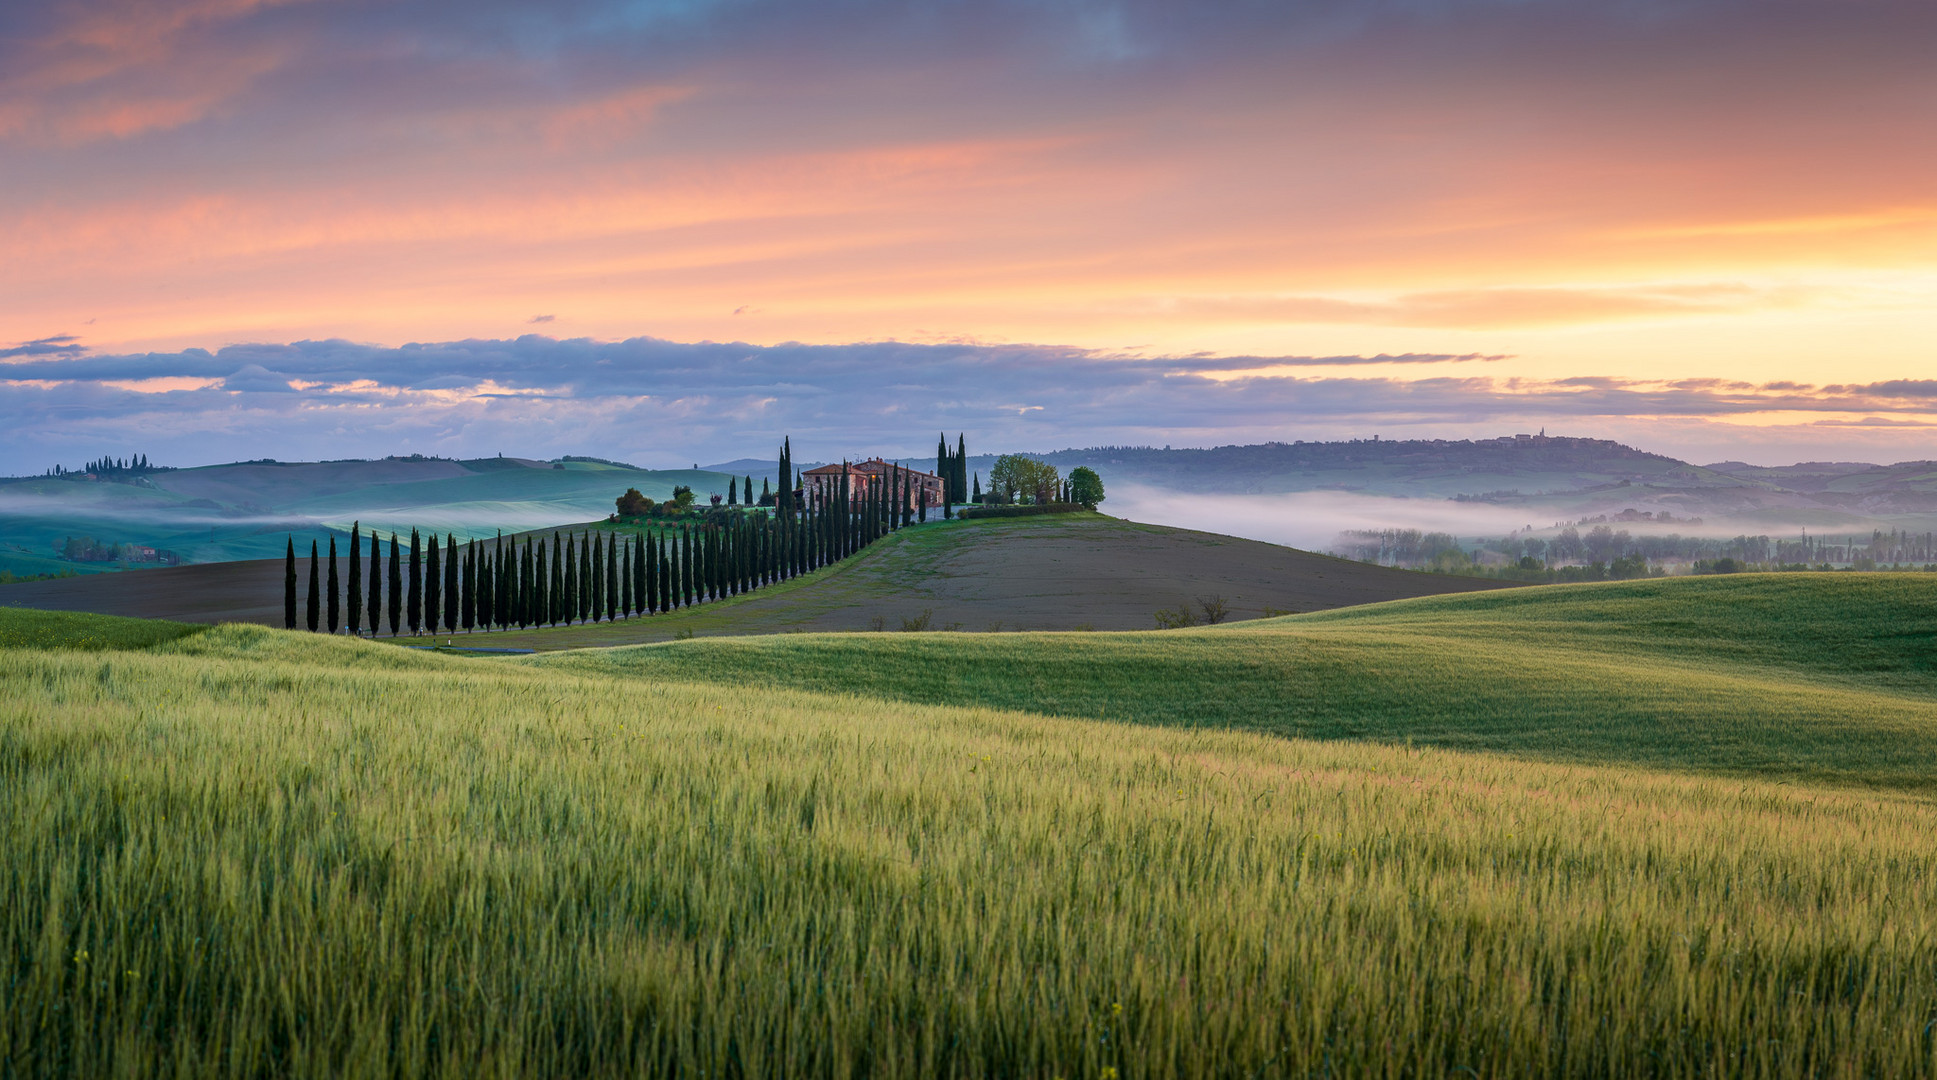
point(652, 400)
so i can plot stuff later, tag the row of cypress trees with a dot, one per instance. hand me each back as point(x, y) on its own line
point(953, 469)
point(524, 582)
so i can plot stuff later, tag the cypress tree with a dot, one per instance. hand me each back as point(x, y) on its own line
point(977, 497)
point(649, 545)
point(594, 577)
point(639, 579)
point(746, 485)
point(668, 557)
point(552, 570)
point(584, 577)
point(844, 508)
point(486, 593)
point(942, 463)
point(355, 596)
point(961, 466)
point(452, 610)
point(396, 597)
point(669, 583)
point(716, 562)
point(516, 581)
point(289, 587)
point(766, 490)
point(544, 597)
point(331, 608)
point(311, 613)
point(688, 590)
point(375, 606)
point(568, 570)
point(784, 499)
point(628, 580)
point(414, 601)
point(613, 579)
point(433, 584)
point(924, 504)
point(501, 588)
point(468, 616)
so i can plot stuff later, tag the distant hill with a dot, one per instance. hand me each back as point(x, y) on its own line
point(1559, 475)
point(245, 510)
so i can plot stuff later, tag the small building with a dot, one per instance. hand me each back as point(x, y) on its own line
point(862, 477)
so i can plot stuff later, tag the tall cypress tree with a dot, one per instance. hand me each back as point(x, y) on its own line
point(468, 616)
point(375, 606)
point(649, 551)
point(500, 588)
point(977, 497)
point(331, 607)
point(614, 604)
point(942, 463)
point(289, 586)
point(396, 597)
point(594, 577)
point(689, 589)
point(668, 571)
point(582, 577)
point(526, 582)
point(414, 601)
point(453, 611)
point(433, 583)
point(355, 595)
point(544, 601)
point(638, 574)
point(312, 613)
point(961, 466)
point(784, 499)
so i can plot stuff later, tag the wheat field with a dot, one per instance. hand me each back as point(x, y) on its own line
point(245, 852)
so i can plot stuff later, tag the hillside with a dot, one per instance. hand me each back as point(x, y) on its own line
point(1826, 677)
point(242, 511)
point(1045, 573)
point(251, 851)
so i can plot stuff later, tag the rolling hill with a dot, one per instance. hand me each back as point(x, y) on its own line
point(1057, 572)
point(1696, 842)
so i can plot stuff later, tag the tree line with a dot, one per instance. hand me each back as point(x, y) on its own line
point(528, 581)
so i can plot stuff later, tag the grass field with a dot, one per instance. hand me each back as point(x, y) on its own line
point(250, 852)
point(1829, 677)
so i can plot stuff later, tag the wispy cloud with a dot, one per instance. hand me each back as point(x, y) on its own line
point(59, 345)
point(650, 400)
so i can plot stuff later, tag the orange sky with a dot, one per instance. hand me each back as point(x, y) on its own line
point(1743, 191)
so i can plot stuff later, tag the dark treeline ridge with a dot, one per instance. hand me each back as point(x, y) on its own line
point(111, 468)
point(429, 586)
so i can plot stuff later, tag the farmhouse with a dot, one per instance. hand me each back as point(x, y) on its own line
point(863, 476)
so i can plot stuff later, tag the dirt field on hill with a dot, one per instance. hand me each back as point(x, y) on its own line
point(1052, 573)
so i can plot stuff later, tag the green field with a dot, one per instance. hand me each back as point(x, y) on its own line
point(1500, 834)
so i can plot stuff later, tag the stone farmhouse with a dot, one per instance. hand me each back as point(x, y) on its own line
point(862, 476)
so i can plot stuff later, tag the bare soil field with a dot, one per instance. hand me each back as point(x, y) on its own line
point(1073, 572)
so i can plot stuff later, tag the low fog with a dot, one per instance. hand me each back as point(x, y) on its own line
point(1310, 519)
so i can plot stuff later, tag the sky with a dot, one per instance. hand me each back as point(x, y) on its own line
point(669, 232)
